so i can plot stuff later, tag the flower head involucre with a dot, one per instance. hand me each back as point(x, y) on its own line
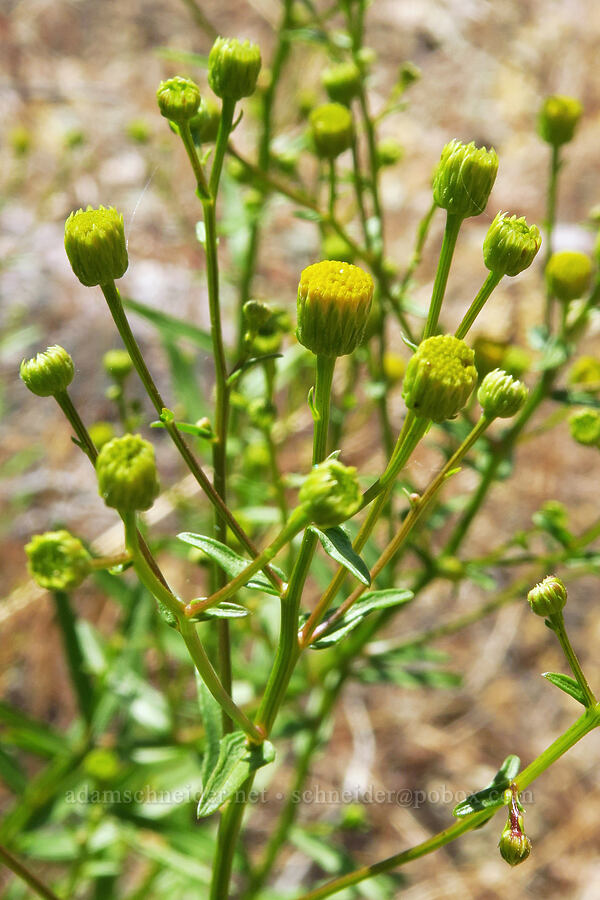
point(500, 395)
point(510, 245)
point(126, 471)
point(233, 68)
point(440, 378)
point(334, 301)
point(49, 373)
point(464, 178)
point(57, 560)
point(95, 245)
point(178, 99)
point(331, 493)
point(331, 129)
point(558, 119)
point(568, 274)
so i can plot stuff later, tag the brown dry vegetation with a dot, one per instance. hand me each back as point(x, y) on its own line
point(93, 67)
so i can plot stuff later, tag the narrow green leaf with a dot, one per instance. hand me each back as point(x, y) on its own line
point(567, 684)
point(223, 610)
point(212, 719)
point(492, 796)
point(11, 773)
point(230, 561)
point(254, 361)
point(367, 604)
point(338, 546)
point(170, 327)
point(22, 731)
point(235, 763)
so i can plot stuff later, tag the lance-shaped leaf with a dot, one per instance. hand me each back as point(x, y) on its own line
point(367, 604)
point(492, 796)
point(337, 545)
point(236, 761)
point(230, 561)
point(567, 684)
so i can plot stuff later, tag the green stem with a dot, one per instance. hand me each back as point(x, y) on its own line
point(227, 838)
point(558, 626)
point(412, 519)
point(422, 234)
point(225, 124)
point(115, 306)
point(297, 522)
point(80, 679)
point(492, 281)
point(589, 721)
point(25, 875)
point(550, 223)
point(453, 223)
point(187, 630)
point(332, 188)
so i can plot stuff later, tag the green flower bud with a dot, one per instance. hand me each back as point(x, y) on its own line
point(101, 433)
point(500, 395)
point(585, 373)
point(256, 314)
point(584, 425)
point(233, 68)
point(262, 414)
point(49, 373)
point(394, 367)
point(331, 129)
point(58, 561)
point(514, 844)
point(335, 247)
point(464, 178)
point(117, 363)
point(548, 597)
point(138, 130)
point(440, 377)
point(334, 300)
point(516, 361)
point(205, 124)
point(568, 275)
point(126, 471)
point(331, 493)
point(342, 82)
point(489, 354)
point(269, 336)
point(558, 119)
point(95, 245)
point(178, 99)
point(510, 246)
point(389, 152)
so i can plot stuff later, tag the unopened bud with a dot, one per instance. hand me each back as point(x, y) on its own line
point(548, 597)
point(510, 245)
point(57, 560)
point(500, 395)
point(95, 245)
point(178, 99)
point(584, 425)
point(117, 363)
point(342, 82)
point(330, 494)
point(558, 119)
point(464, 178)
point(126, 471)
point(331, 129)
point(233, 68)
point(514, 844)
point(205, 124)
point(49, 373)
point(568, 275)
point(440, 377)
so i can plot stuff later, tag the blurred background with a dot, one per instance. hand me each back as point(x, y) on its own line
point(80, 126)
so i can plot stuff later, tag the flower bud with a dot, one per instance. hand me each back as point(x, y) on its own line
point(568, 275)
point(342, 82)
point(389, 152)
point(584, 425)
point(126, 471)
point(500, 395)
point(95, 245)
point(585, 373)
point(464, 178)
point(548, 597)
point(256, 314)
point(334, 300)
point(510, 246)
point(49, 373)
point(440, 377)
point(335, 247)
point(514, 844)
point(330, 494)
point(101, 433)
point(331, 129)
point(117, 363)
point(178, 99)
point(558, 119)
point(233, 68)
point(57, 560)
point(205, 124)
